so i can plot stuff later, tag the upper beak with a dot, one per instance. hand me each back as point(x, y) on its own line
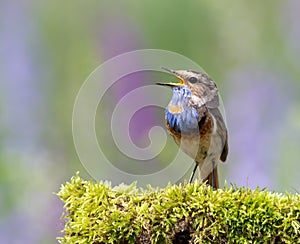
point(181, 80)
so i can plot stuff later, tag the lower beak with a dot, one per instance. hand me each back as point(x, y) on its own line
point(171, 84)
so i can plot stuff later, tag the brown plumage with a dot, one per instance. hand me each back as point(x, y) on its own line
point(196, 124)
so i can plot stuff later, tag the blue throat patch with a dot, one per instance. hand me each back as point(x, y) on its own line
point(182, 118)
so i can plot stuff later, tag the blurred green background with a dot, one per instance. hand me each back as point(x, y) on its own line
point(47, 50)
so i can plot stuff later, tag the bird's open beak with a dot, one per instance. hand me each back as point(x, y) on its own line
point(171, 84)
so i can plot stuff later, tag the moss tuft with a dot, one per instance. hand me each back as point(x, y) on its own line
point(190, 213)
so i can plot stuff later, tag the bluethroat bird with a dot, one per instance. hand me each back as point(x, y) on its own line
point(195, 122)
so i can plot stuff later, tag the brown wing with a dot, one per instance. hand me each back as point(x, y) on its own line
point(222, 131)
point(224, 154)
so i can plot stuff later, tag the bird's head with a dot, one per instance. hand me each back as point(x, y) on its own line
point(200, 84)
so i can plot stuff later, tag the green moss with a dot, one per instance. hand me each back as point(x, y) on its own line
point(96, 213)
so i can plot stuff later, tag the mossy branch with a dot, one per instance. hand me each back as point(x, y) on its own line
point(189, 213)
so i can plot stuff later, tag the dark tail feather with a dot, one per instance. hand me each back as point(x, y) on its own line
point(213, 179)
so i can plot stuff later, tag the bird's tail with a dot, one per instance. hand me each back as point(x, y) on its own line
point(213, 179)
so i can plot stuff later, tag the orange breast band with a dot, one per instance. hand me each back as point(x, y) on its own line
point(175, 109)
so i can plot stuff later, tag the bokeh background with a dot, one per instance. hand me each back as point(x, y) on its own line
point(48, 48)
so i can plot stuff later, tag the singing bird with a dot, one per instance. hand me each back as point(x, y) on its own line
point(195, 122)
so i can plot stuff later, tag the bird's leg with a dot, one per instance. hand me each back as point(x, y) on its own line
point(213, 175)
point(193, 173)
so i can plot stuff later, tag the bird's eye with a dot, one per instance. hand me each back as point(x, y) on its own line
point(193, 80)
